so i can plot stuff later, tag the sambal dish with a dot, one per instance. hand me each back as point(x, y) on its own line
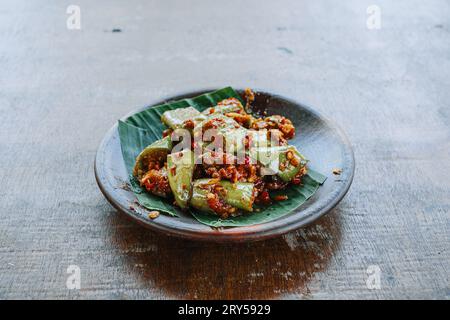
point(225, 160)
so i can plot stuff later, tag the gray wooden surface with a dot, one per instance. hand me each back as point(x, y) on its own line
point(60, 91)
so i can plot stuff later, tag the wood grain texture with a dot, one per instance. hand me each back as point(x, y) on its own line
point(61, 90)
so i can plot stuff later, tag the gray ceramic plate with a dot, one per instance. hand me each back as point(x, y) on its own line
point(321, 141)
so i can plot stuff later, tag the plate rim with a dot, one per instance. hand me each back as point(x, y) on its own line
point(235, 234)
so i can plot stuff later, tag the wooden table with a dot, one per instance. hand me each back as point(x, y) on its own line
point(61, 89)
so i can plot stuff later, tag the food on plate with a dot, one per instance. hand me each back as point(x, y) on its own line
point(224, 161)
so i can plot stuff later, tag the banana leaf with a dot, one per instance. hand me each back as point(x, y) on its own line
point(145, 127)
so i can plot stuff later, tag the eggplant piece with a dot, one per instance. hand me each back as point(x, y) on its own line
point(225, 106)
point(156, 152)
point(232, 132)
point(285, 161)
point(292, 163)
point(180, 168)
point(174, 118)
point(238, 195)
point(259, 138)
point(269, 157)
point(199, 192)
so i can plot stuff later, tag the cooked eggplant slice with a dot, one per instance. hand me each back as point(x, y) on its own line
point(285, 161)
point(239, 194)
point(225, 106)
point(291, 162)
point(175, 118)
point(233, 134)
point(180, 168)
point(222, 197)
point(154, 153)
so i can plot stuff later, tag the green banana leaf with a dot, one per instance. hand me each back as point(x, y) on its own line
point(145, 127)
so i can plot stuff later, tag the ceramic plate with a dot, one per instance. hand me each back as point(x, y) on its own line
point(321, 141)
